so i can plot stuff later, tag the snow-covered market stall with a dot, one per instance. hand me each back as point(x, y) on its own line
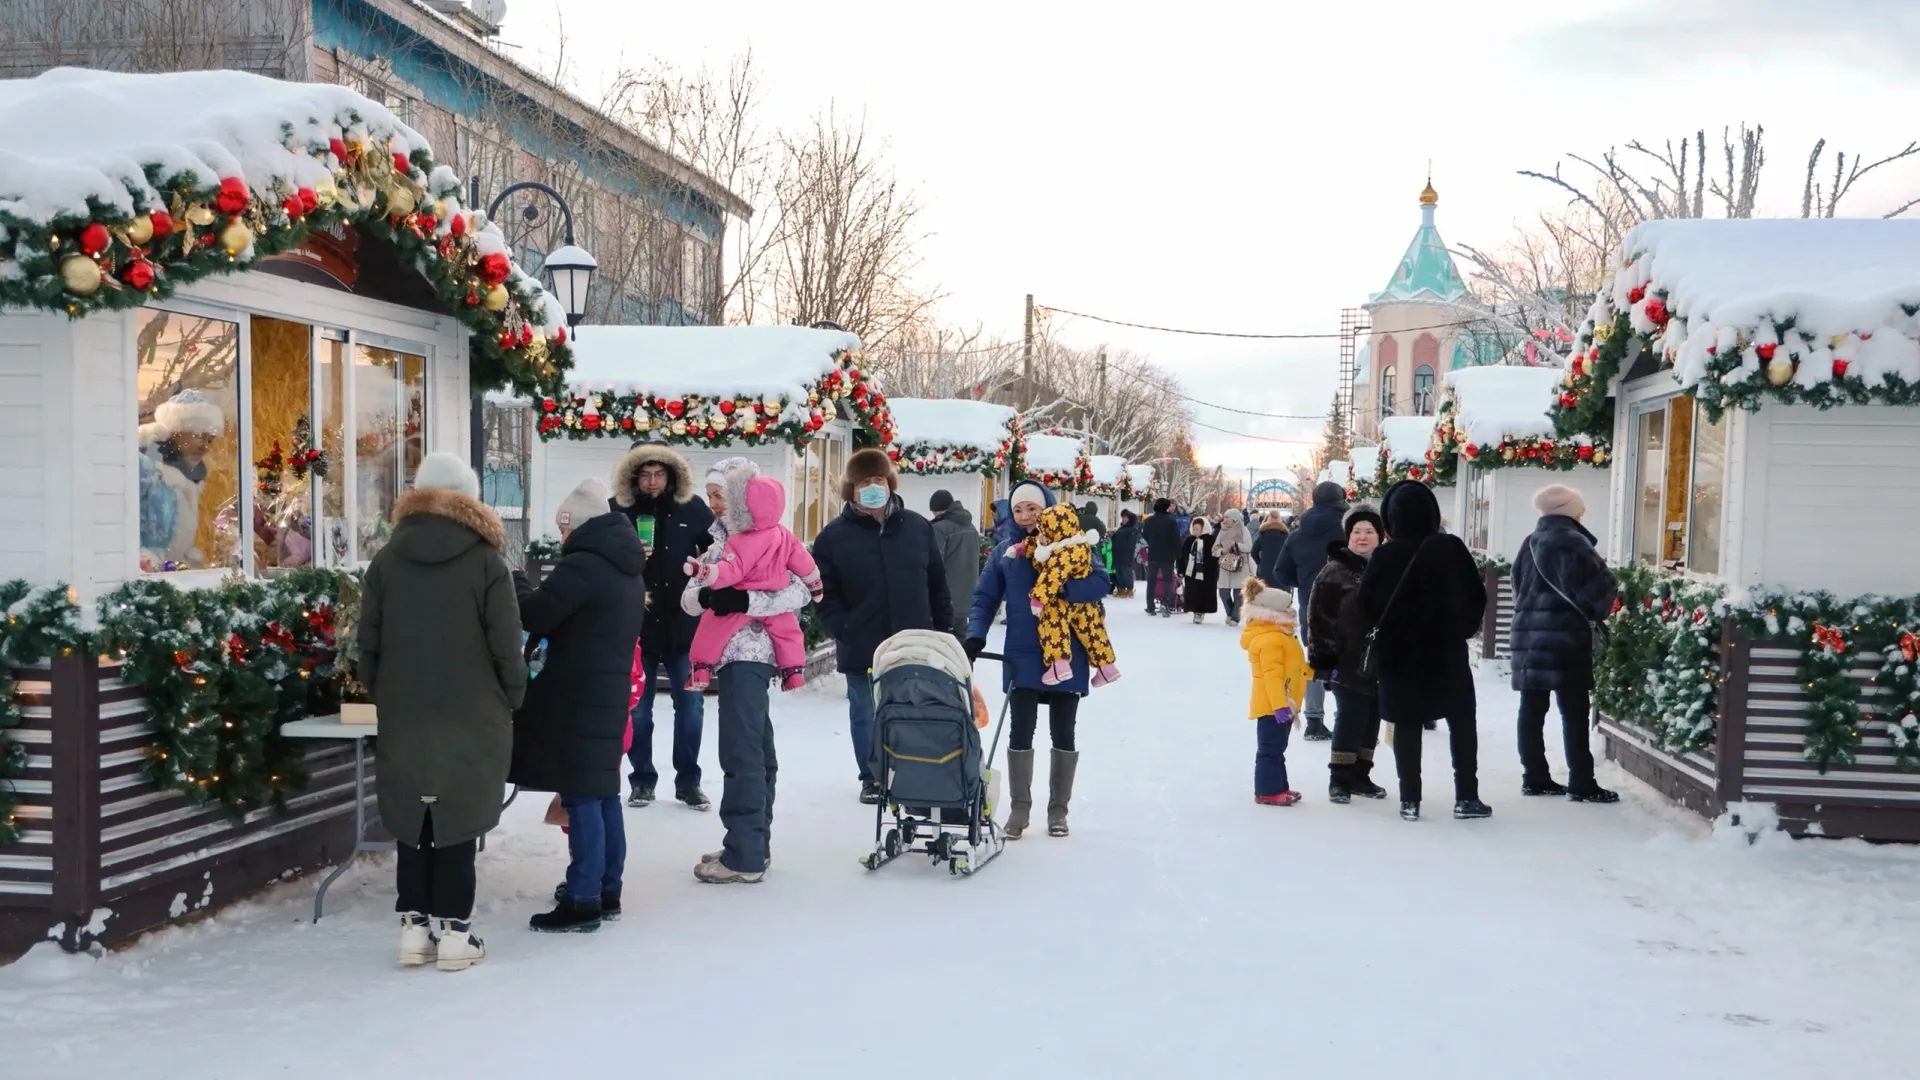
point(1402, 455)
point(1056, 460)
point(1139, 490)
point(1766, 649)
point(1495, 442)
point(1109, 484)
point(961, 446)
point(793, 399)
point(235, 314)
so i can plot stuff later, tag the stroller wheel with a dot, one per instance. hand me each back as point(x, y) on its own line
point(893, 843)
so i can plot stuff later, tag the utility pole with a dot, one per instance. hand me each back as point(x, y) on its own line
point(1100, 386)
point(1026, 362)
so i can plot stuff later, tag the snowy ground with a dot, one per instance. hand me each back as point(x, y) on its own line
point(1181, 931)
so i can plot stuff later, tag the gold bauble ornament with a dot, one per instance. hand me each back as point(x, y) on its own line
point(771, 404)
point(439, 209)
point(1779, 371)
point(325, 194)
point(496, 298)
point(236, 237)
point(679, 427)
point(536, 350)
point(1507, 454)
point(200, 216)
point(1603, 331)
point(644, 423)
point(401, 200)
point(140, 230)
point(1599, 457)
point(81, 275)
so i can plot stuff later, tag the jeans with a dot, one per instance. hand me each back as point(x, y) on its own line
point(688, 717)
point(1575, 709)
point(436, 881)
point(1356, 731)
point(747, 760)
point(860, 721)
point(1160, 585)
point(1270, 755)
point(1230, 603)
point(596, 844)
point(1062, 709)
point(1314, 710)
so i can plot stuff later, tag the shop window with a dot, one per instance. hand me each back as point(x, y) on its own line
point(1709, 492)
point(283, 443)
point(1479, 507)
point(335, 532)
point(1386, 392)
point(1649, 466)
point(1680, 463)
point(188, 442)
point(389, 390)
point(1423, 391)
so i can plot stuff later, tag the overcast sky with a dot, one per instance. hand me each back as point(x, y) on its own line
point(1255, 167)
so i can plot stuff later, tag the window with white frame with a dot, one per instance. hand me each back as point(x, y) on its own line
point(1679, 471)
point(1386, 391)
point(1423, 391)
point(1479, 507)
point(334, 426)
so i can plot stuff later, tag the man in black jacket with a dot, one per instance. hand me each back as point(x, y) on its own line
point(880, 573)
point(566, 736)
point(1161, 533)
point(1299, 563)
point(653, 488)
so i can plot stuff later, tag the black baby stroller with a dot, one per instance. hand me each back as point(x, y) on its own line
point(933, 778)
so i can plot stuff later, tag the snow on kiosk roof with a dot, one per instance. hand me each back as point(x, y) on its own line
point(1140, 477)
point(949, 435)
point(117, 188)
point(1107, 475)
point(714, 385)
point(1058, 461)
point(1818, 311)
point(1405, 438)
point(1503, 415)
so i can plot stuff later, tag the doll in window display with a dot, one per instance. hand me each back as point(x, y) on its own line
point(173, 475)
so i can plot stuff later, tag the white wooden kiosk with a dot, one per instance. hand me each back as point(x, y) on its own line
point(1799, 502)
point(1139, 495)
point(198, 272)
point(1055, 460)
point(1405, 441)
point(957, 445)
point(1108, 486)
point(790, 398)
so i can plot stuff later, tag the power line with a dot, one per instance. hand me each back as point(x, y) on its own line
point(1260, 438)
point(1211, 405)
point(1260, 337)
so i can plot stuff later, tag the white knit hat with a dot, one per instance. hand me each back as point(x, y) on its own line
point(448, 472)
point(588, 500)
point(1279, 601)
point(191, 412)
point(1026, 491)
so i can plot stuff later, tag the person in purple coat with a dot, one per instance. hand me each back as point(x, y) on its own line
point(1008, 576)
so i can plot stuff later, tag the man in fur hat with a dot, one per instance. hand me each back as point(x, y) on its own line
point(653, 486)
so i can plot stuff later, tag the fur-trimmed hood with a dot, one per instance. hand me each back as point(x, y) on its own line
point(1273, 526)
point(626, 475)
point(739, 515)
point(434, 525)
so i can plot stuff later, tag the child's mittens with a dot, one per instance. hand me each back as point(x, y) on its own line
point(1283, 716)
point(1036, 605)
point(692, 567)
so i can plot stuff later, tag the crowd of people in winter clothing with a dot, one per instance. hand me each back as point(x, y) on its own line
point(656, 576)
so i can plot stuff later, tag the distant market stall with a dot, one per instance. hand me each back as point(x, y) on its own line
point(235, 315)
point(1760, 378)
point(1058, 461)
point(958, 445)
point(794, 400)
point(1109, 484)
point(1403, 455)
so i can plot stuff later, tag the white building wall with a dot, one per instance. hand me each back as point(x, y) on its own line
point(1512, 516)
point(34, 474)
point(1832, 500)
point(105, 510)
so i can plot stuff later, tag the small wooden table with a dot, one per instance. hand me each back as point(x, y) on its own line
point(330, 727)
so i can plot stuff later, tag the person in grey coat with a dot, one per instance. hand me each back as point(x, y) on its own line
point(1561, 586)
point(1235, 545)
point(959, 544)
point(439, 640)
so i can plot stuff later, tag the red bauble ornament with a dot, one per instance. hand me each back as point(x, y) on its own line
point(560, 336)
point(1657, 312)
point(338, 148)
point(162, 223)
point(1567, 401)
point(291, 204)
point(495, 268)
point(1469, 451)
point(182, 657)
point(458, 226)
point(1636, 294)
point(676, 408)
point(1840, 368)
point(139, 274)
point(1765, 352)
point(626, 423)
point(400, 163)
point(726, 408)
point(233, 196)
point(506, 339)
point(94, 239)
point(1585, 453)
point(549, 405)
point(309, 202)
point(591, 421)
point(893, 452)
point(526, 333)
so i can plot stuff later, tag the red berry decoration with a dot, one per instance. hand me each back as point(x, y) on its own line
point(94, 239)
point(139, 274)
point(233, 196)
point(1636, 294)
point(549, 424)
point(526, 333)
point(506, 339)
point(1657, 312)
point(162, 223)
point(494, 268)
point(458, 226)
point(400, 163)
point(1765, 351)
point(426, 223)
point(1840, 368)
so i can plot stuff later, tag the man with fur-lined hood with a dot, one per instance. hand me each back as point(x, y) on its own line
point(653, 486)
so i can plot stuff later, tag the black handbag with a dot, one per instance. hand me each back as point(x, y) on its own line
point(1371, 655)
point(1596, 629)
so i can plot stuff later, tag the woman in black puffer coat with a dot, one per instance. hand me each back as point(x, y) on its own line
point(1336, 638)
point(1422, 639)
point(1561, 586)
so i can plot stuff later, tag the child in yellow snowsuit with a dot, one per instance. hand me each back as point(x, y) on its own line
point(1062, 553)
point(1280, 676)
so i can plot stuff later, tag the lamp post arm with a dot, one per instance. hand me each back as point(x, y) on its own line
point(566, 212)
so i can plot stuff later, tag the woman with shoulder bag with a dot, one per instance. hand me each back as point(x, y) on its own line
point(1235, 545)
point(1562, 593)
point(1421, 598)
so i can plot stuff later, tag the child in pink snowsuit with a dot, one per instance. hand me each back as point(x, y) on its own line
point(759, 555)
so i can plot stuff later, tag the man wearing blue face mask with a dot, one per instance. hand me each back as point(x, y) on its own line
point(880, 573)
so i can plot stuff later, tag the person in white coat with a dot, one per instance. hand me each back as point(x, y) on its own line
point(1234, 544)
point(184, 428)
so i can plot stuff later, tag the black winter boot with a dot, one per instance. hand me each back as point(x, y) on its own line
point(1469, 809)
point(1409, 811)
point(1541, 787)
point(609, 902)
point(569, 916)
point(1317, 730)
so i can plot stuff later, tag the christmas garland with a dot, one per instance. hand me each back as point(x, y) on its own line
point(1484, 559)
point(1541, 452)
point(1659, 671)
point(1072, 481)
point(1899, 682)
point(1585, 404)
point(38, 625)
point(183, 230)
point(546, 549)
point(927, 459)
point(704, 420)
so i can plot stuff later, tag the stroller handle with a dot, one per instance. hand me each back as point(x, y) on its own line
point(992, 656)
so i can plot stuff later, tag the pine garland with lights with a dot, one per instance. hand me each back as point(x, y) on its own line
point(1558, 453)
point(111, 260)
point(39, 624)
point(1585, 406)
point(1073, 481)
point(1899, 683)
point(1660, 671)
point(929, 459)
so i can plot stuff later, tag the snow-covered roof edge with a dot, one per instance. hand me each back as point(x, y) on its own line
point(950, 423)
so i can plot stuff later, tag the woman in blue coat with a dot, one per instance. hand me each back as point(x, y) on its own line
point(1008, 578)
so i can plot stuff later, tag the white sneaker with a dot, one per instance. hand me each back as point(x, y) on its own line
point(459, 948)
point(416, 940)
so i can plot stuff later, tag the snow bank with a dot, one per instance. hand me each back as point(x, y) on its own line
point(1051, 453)
point(1495, 403)
point(1407, 438)
point(1107, 469)
point(950, 423)
point(712, 361)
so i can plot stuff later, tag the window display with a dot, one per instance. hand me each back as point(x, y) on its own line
point(1680, 461)
point(188, 445)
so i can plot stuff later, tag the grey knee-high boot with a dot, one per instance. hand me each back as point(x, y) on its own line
point(1060, 790)
point(1020, 790)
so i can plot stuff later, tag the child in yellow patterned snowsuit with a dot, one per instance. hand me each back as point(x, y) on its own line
point(1062, 553)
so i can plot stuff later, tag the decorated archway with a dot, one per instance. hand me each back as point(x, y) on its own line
point(1275, 492)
